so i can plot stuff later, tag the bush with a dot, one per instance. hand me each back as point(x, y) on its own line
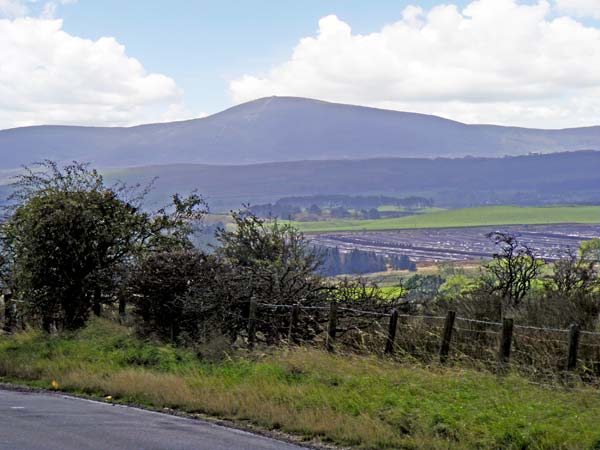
point(67, 238)
point(159, 286)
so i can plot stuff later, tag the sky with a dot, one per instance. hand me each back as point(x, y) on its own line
point(529, 63)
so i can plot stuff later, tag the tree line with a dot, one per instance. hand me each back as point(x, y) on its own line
point(359, 262)
point(356, 201)
point(336, 206)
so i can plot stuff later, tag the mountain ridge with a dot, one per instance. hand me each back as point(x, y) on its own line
point(279, 129)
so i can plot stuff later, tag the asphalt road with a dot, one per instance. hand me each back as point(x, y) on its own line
point(33, 421)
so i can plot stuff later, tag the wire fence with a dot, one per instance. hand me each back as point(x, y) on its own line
point(544, 354)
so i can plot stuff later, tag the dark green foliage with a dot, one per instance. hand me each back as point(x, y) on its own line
point(339, 212)
point(271, 263)
point(373, 214)
point(332, 261)
point(550, 179)
point(159, 284)
point(276, 210)
point(190, 296)
point(423, 288)
point(354, 201)
point(67, 238)
point(358, 262)
point(314, 209)
point(337, 207)
point(276, 262)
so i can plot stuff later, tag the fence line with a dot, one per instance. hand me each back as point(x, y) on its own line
point(416, 316)
point(423, 339)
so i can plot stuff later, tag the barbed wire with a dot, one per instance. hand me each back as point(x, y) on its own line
point(414, 316)
point(358, 311)
point(556, 330)
point(482, 322)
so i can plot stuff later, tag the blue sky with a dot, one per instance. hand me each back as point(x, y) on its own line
point(203, 44)
point(517, 62)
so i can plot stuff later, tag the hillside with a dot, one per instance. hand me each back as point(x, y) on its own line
point(281, 129)
point(559, 178)
point(523, 180)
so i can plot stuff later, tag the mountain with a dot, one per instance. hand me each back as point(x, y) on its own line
point(281, 129)
point(559, 178)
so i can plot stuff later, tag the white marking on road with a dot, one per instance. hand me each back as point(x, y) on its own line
point(17, 407)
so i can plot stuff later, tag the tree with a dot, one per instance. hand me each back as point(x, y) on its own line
point(279, 264)
point(590, 250)
point(339, 212)
point(315, 210)
point(373, 213)
point(66, 236)
point(574, 275)
point(272, 263)
point(513, 269)
point(332, 261)
point(423, 288)
point(160, 285)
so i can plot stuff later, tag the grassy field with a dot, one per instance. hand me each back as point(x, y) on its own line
point(392, 208)
point(366, 403)
point(493, 215)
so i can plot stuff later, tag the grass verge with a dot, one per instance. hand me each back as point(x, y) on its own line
point(470, 217)
point(362, 402)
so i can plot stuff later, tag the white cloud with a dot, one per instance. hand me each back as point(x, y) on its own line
point(20, 8)
point(48, 76)
point(579, 8)
point(12, 8)
point(495, 61)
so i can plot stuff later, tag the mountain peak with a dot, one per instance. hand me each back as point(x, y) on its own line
point(278, 129)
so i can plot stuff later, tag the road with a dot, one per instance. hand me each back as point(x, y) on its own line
point(34, 421)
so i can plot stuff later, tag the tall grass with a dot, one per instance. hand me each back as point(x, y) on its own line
point(364, 402)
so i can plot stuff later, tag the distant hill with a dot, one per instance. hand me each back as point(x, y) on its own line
point(558, 178)
point(282, 129)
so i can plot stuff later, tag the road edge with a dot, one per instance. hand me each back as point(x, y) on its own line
point(211, 420)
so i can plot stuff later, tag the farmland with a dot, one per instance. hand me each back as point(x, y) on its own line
point(470, 217)
point(458, 244)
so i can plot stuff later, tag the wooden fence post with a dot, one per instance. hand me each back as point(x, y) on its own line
point(447, 336)
point(573, 347)
point(505, 342)
point(332, 327)
point(391, 336)
point(122, 309)
point(294, 317)
point(252, 323)
point(9, 313)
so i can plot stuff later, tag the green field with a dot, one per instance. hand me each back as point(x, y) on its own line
point(351, 401)
point(492, 215)
point(392, 208)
